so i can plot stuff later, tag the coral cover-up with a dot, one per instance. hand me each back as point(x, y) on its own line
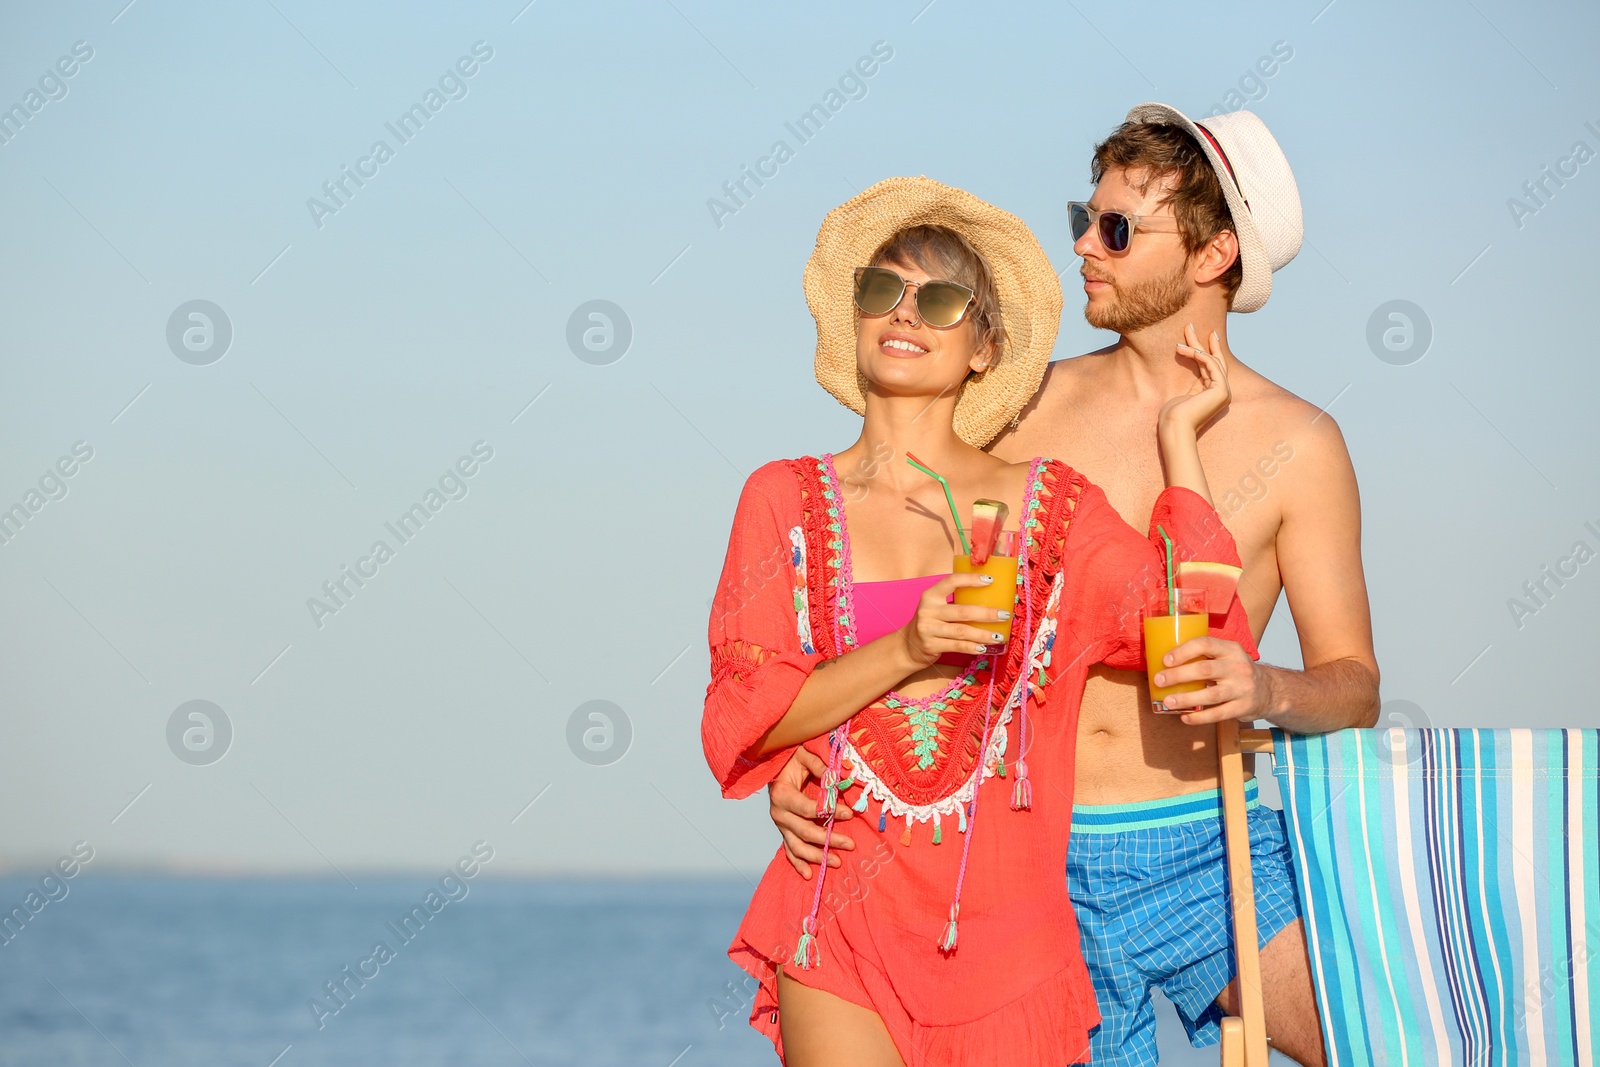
point(1014, 990)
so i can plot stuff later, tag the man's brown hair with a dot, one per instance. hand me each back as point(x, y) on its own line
point(1152, 151)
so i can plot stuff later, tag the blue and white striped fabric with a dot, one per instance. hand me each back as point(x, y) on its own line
point(1450, 881)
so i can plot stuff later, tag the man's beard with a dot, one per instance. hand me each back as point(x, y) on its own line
point(1141, 305)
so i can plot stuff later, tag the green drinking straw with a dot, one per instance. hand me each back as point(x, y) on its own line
point(951, 500)
point(1172, 593)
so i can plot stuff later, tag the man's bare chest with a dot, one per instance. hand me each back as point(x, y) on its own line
point(1247, 468)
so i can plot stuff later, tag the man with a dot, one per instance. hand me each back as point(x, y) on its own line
point(1188, 222)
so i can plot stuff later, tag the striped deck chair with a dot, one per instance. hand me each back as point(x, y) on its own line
point(1451, 886)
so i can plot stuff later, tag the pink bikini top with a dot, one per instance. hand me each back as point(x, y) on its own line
point(883, 607)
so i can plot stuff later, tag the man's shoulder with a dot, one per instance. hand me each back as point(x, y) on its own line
point(1267, 407)
point(1065, 373)
point(1064, 379)
point(1293, 427)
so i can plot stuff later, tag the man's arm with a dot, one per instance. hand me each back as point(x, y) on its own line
point(794, 813)
point(1319, 558)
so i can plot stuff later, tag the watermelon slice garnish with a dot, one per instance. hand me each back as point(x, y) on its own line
point(988, 519)
point(1219, 580)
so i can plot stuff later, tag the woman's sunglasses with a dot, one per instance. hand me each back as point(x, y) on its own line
point(940, 304)
point(1116, 227)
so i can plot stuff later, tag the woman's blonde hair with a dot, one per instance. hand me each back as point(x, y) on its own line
point(944, 253)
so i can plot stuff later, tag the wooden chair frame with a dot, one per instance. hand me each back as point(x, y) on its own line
point(1244, 1036)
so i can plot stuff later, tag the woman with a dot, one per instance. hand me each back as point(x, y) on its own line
point(936, 314)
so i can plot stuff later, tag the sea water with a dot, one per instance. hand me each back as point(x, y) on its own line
point(225, 972)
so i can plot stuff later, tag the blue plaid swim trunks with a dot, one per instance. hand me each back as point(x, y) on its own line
point(1149, 882)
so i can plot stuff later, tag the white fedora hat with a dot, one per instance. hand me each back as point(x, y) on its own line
point(1256, 179)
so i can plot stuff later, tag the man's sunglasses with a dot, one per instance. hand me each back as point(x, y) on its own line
point(1116, 227)
point(940, 304)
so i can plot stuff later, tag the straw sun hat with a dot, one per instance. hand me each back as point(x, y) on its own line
point(1028, 288)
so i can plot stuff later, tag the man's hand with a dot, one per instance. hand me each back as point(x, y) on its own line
point(794, 813)
point(1240, 688)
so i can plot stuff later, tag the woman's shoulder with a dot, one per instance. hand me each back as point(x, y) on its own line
point(1060, 470)
point(1066, 491)
point(782, 471)
point(1055, 472)
point(779, 481)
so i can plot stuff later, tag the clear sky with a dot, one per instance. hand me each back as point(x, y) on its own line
point(568, 154)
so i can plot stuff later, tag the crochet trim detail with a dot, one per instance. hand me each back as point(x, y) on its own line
point(992, 761)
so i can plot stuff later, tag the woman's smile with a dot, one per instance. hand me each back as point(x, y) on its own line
point(901, 345)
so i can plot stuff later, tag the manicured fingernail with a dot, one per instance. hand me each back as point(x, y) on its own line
point(987, 578)
point(980, 649)
point(1004, 615)
point(997, 637)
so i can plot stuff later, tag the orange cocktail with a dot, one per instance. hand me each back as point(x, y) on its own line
point(1164, 632)
point(1002, 592)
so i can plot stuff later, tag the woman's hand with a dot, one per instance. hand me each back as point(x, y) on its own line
point(939, 627)
point(1210, 392)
